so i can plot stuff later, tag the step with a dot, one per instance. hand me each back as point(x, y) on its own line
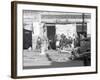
point(36, 63)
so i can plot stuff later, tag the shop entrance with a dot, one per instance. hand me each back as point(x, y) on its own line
point(51, 32)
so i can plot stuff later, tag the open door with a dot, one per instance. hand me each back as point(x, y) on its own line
point(51, 31)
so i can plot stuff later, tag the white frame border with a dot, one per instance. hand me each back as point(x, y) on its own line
point(21, 72)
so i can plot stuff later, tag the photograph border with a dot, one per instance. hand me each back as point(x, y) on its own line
point(14, 37)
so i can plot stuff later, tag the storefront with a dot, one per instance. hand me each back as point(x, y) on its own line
point(51, 24)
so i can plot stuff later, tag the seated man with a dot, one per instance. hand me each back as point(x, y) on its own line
point(82, 52)
point(39, 42)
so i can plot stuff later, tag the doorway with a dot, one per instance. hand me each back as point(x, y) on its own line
point(51, 32)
